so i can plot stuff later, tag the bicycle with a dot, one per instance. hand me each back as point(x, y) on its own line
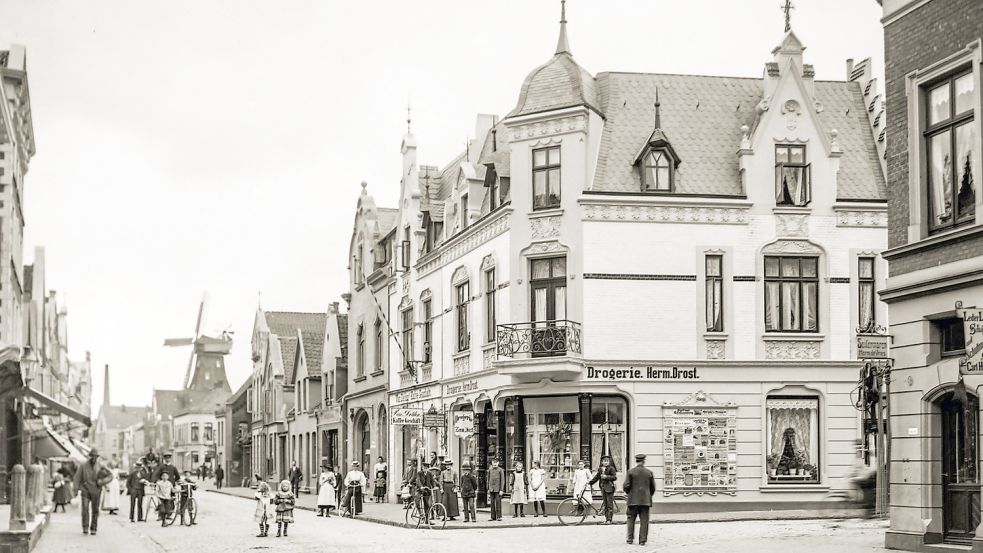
point(350, 508)
point(150, 492)
point(190, 505)
point(574, 510)
point(435, 517)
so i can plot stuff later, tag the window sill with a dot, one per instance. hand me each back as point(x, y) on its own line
point(377, 372)
point(461, 354)
point(711, 335)
point(548, 212)
point(792, 209)
point(933, 240)
point(359, 378)
point(793, 336)
point(793, 488)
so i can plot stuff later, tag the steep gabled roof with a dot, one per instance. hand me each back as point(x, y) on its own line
point(288, 351)
point(122, 416)
point(286, 323)
point(557, 84)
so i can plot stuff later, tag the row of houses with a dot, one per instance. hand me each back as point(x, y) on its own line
point(674, 265)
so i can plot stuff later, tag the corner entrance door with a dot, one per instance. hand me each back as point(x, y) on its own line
point(960, 476)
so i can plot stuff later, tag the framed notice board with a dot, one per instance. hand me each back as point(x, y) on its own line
point(700, 447)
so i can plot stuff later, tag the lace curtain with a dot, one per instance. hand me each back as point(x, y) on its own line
point(791, 189)
point(797, 415)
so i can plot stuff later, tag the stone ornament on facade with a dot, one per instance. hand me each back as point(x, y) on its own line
point(543, 228)
point(487, 357)
point(553, 126)
point(791, 111)
point(792, 225)
point(791, 246)
point(487, 263)
point(863, 219)
point(542, 248)
point(789, 349)
point(462, 365)
point(445, 255)
point(666, 214)
point(715, 349)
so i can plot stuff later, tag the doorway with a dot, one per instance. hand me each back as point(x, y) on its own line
point(960, 473)
point(363, 439)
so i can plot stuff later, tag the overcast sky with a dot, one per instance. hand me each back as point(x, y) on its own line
point(189, 145)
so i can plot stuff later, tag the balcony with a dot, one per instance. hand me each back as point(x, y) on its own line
point(536, 350)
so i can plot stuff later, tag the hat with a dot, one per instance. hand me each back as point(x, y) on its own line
point(168, 454)
point(356, 464)
point(639, 456)
point(93, 452)
point(603, 457)
point(448, 462)
point(466, 465)
point(435, 467)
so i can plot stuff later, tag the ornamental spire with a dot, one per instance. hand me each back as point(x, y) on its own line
point(787, 8)
point(562, 46)
point(658, 110)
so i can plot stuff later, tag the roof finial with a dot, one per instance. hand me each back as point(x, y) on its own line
point(408, 119)
point(787, 8)
point(562, 46)
point(658, 110)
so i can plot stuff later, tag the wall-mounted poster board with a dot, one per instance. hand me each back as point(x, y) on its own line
point(700, 453)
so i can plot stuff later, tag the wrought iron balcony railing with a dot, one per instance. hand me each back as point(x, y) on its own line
point(538, 339)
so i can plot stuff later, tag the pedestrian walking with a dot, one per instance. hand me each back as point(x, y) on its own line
point(495, 485)
point(165, 497)
point(284, 501)
point(639, 486)
point(449, 489)
point(326, 498)
point(537, 488)
point(134, 488)
point(265, 509)
point(295, 475)
point(219, 477)
point(581, 484)
point(355, 483)
point(90, 477)
point(62, 494)
point(382, 467)
point(110, 499)
point(519, 484)
point(469, 489)
point(166, 466)
point(606, 476)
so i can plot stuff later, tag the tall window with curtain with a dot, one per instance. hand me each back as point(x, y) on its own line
point(791, 294)
point(378, 344)
point(865, 294)
point(360, 352)
point(548, 285)
point(490, 305)
point(949, 136)
point(715, 293)
point(793, 439)
point(462, 292)
point(427, 331)
point(546, 178)
point(406, 329)
point(791, 175)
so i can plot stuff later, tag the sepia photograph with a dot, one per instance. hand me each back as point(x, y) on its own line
point(682, 276)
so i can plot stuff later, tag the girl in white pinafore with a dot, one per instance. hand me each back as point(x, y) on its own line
point(110, 501)
point(581, 482)
point(326, 492)
point(537, 488)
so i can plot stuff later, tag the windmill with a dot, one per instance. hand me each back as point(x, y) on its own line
point(206, 364)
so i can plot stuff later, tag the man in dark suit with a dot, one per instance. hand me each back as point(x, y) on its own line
point(639, 485)
point(496, 484)
point(167, 467)
point(90, 477)
point(295, 476)
point(219, 476)
point(134, 488)
point(606, 476)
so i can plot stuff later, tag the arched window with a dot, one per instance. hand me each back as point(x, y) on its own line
point(657, 173)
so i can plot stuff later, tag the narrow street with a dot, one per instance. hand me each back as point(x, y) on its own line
point(226, 526)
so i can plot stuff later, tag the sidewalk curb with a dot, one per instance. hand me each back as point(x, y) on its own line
point(805, 515)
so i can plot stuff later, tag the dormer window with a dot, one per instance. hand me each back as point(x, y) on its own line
point(657, 171)
point(792, 175)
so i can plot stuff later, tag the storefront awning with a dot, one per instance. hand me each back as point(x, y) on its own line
point(53, 404)
point(49, 444)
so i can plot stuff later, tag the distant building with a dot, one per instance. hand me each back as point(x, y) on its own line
point(332, 421)
point(302, 419)
point(235, 446)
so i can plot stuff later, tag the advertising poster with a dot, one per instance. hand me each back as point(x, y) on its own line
point(700, 452)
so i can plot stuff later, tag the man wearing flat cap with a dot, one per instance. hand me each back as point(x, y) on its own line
point(639, 486)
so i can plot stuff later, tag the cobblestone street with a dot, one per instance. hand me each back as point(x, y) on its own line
point(226, 526)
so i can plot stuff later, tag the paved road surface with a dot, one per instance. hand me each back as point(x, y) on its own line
point(226, 526)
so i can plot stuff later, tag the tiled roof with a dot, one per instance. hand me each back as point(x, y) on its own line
point(313, 351)
point(703, 116)
point(558, 83)
point(173, 403)
point(286, 323)
point(388, 217)
point(343, 338)
point(288, 349)
point(122, 416)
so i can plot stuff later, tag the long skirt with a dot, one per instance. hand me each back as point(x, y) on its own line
point(326, 496)
point(110, 499)
point(348, 500)
point(449, 499)
point(62, 495)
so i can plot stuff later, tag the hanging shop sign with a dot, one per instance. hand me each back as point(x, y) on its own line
point(973, 333)
point(434, 419)
point(872, 346)
point(463, 424)
point(406, 416)
point(700, 447)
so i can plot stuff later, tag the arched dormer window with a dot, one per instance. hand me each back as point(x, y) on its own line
point(657, 170)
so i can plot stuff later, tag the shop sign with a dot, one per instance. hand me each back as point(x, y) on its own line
point(641, 373)
point(406, 416)
point(463, 424)
point(973, 332)
point(460, 387)
point(434, 419)
point(414, 395)
point(872, 346)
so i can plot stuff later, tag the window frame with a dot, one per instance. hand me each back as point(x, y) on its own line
point(950, 124)
point(950, 327)
point(464, 211)
point(406, 333)
point(427, 313)
point(817, 455)
point(800, 280)
point(546, 169)
point(863, 281)
point(709, 279)
point(360, 351)
point(377, 350)
point(806, 172)
point(647, 166)
point(490, 311)
point(550, 284)
point(462, 292)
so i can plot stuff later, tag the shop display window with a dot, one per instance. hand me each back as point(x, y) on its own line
point(607, 418)
point(793, 440)
point(553, 439)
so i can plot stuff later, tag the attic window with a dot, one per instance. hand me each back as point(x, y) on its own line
point(657, 170)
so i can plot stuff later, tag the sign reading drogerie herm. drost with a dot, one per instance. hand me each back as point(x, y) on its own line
point(973, 333)
point(641, 373)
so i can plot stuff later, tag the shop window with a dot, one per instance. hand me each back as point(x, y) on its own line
point(791, 294)
point(793, 440)
point(553, 439)
point(949, 137)
point(608, 432)
point(952, 336)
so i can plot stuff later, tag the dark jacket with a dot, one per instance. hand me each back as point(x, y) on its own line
point(469, 485)
point(496, 479)
point(296, 476)
point(171, 471)
point(219, 473)
point(639, 485)
point(425, 481)
point(409, 478)
point(606, 476)
point(134, 481)
point(90, 478)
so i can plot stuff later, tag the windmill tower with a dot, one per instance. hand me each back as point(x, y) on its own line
point(206, 365)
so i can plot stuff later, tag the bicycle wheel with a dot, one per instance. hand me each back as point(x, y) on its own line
point(438, 516)
point(351, 507)
point(570, 511)
point(412, 516)
point(152, 507)
point(192, 511)
point(169, 518)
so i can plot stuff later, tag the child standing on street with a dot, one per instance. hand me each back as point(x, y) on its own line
point(284, 508)
point(520, 491)
point(380, 486)
point(469, 487)
point(165, 495)
point(61, 496)
point(264, 508)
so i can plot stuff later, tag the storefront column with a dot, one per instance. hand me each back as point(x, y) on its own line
point(519, 440)
point(585, 429)
point(481, 421)
point(501, 440)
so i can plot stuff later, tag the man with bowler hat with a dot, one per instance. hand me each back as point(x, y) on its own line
point(90, 477)
point(639, 486)
point(606, 475)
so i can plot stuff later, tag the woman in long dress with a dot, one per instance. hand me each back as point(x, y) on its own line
point(581, 482)
point(448, 490)
point(110, 499)
point(326, 495)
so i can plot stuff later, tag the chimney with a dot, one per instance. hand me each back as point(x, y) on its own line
point(105, 388)
point(849, 69)
point(333, 308)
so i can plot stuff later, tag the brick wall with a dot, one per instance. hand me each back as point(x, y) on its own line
point(930, 33)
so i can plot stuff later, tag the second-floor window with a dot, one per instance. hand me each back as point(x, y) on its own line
point(406, 328)
point(194, 432)
point(360, 352)
point(208, 432)
point(953, 336)
point(378, 344)
point(865, 294)
point(427, 331)
point(462, 293)
point(546, 178)
point(715, 293)
point(791, 294)
point(950, 136)
point(548, 285)
point(791, 175)
point(490, 305)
